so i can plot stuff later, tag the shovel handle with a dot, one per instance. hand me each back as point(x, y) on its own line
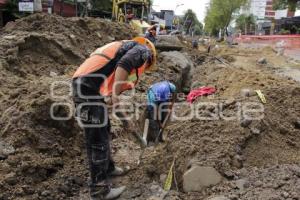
point(163, 127)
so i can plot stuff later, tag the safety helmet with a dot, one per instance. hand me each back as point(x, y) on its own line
point(150, 45)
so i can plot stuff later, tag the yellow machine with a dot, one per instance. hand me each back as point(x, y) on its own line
point(133, 12)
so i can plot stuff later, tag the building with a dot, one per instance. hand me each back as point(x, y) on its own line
point(257, 8)
point(263, 10)
point(164, 17)
point(290, 24)
point(168, 16)
point(265, 15)
point(269, 12)
point(66, 8)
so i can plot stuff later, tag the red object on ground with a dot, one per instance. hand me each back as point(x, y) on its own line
point(194, 94)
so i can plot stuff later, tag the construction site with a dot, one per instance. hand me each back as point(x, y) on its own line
point(211, 151)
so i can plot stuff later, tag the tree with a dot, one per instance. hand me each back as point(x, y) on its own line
point(198, 30)
point(283, 4)
point(219, 14)
point(245, 22)
point(104, 5)
point(191, 23)
point(13, 9)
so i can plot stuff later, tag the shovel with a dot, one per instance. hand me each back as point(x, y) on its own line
point(162, 128)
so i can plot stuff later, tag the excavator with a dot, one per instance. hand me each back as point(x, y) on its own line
point(134, 12)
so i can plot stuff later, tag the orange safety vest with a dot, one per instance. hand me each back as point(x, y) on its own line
point(99, 59)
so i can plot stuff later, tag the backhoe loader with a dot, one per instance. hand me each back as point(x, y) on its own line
point(134, 12)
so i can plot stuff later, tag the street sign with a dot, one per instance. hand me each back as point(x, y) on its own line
point(26, 6)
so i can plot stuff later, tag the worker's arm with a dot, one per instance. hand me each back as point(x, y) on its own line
point(132, 59)
point(121, 75)
point(158, 116)
point(173, 96)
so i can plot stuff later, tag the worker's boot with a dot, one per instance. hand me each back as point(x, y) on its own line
point(104, 192)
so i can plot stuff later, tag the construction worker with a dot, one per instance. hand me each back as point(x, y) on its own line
point(195, 43)
point(151, 33)
point(103, 75)
point(160, 100)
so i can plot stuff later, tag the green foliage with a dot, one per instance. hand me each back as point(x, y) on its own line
point(191, 23)
point(283, 4)
point(284, 32)
point(12, 7)
point(198, 30)
point(219, 14)
point(245, 22)
point(103, 5)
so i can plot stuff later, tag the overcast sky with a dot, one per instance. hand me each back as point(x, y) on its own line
point(198, 6)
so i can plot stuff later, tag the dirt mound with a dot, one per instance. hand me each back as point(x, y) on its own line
point(41, 43)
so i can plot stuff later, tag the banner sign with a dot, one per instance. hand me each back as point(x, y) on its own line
point(26, 6)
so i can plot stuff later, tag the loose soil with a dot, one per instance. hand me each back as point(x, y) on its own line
point(49, 160)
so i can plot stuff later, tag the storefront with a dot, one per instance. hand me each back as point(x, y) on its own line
point(291, 25)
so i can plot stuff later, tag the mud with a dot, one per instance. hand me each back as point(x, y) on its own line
point(42, 158)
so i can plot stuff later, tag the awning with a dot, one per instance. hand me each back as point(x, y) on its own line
point(2, 2)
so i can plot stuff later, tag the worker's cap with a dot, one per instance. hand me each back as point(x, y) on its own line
point(150, 45)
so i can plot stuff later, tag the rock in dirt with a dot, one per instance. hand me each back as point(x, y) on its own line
point(237, 161)
point(182, 65)
point(162, 178)
point(245, 123)
point(297, 124)
point(197, 178)
point(157, 193)
point(11, 179)
point(255, 131)
point(247, 92)
point(167, 43)
point(262, 61)
point(5, 150)
point(229, 102)
point(241, 184)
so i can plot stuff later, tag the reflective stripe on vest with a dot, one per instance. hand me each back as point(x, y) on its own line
point(98, 59)
point(133, 78)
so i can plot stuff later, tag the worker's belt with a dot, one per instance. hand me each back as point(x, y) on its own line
point(78, 100)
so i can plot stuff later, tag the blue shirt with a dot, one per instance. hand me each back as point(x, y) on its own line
point(160, 92)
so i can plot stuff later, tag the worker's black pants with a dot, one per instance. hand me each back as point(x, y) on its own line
point(156, 113)
point(95, 121)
